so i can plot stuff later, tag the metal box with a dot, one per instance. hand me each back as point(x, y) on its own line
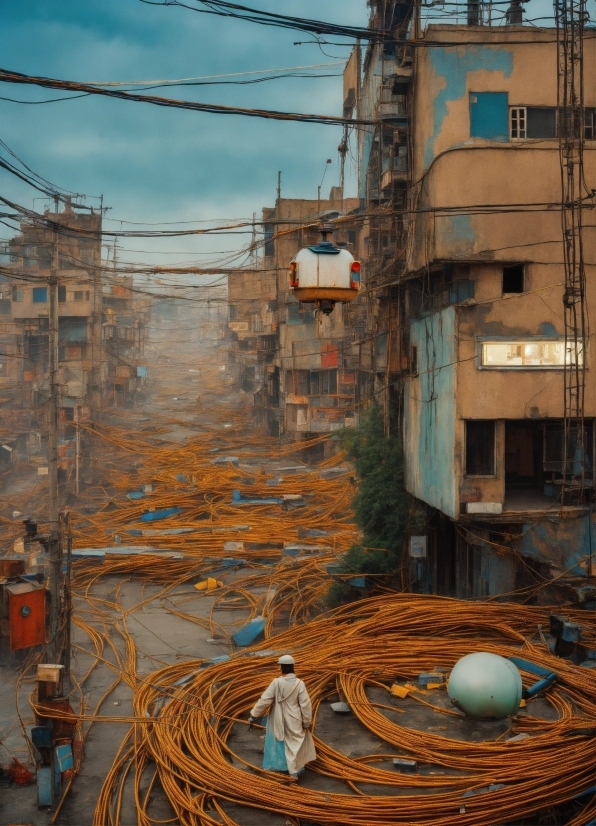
point(26, 614)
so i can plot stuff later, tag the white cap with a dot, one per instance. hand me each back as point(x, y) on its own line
point(286, 659)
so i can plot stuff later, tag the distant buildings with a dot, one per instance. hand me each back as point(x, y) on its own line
point(101, 330)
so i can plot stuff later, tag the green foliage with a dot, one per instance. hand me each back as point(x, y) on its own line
point(384, 511)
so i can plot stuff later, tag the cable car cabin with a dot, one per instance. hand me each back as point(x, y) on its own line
point(325, 274)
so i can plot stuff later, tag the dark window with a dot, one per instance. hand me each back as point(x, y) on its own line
point(78, 295)
point(513, 279)
point(268, 232)
point(61, 295)
point(233, 312)
point(44, 257)
point(590, 124)
point(351, 237)
point(541, 122)
point(4, 306)
point(17, 295)
point(414, 361)
point(40, 295)
point(480, 448)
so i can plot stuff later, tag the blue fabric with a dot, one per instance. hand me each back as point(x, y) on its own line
point(274, 757)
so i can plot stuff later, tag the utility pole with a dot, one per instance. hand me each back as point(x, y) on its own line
point(570, 16)
point(54, 545)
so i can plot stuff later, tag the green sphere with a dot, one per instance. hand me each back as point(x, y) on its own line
point(485, 686)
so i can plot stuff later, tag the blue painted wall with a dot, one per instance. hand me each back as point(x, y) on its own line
point(429, 413)
point(453, 67)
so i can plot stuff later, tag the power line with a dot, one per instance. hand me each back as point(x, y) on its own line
point(8, 76)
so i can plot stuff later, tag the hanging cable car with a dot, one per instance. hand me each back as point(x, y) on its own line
point(325, 274)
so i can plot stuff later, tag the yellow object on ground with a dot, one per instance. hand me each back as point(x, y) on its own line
point(208, 584)
point(400, 691)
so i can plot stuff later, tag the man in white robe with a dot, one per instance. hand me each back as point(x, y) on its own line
point(288, 722)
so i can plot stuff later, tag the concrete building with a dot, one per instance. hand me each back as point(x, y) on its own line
point(311, 388)
point(482, 291)
point(253, 327)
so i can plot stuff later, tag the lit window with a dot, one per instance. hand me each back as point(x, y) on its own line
point(527, 354)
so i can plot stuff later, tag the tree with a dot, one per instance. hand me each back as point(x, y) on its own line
point(384, 511)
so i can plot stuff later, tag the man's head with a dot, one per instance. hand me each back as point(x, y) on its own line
point(287, 664)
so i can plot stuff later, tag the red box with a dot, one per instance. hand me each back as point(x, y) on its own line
point(26, 614)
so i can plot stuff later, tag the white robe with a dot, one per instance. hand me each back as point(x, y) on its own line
point(291, 715)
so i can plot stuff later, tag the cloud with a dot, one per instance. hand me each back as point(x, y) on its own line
point(153, 164)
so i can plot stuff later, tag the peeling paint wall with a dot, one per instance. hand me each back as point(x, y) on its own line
point(429, 413)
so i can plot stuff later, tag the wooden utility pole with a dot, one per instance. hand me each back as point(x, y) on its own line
point(54, 546)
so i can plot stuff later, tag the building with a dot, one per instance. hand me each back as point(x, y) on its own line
point(309, 387)
point(464, 334)
point(253, 327)
point(482, 289)
point(125, 317)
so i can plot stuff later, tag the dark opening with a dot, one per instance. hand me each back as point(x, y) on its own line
point(541, 122)
point(61, 295)
point(413, 360)
point(480, 448)
point(513, 278)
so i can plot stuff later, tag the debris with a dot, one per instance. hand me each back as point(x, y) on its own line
point(154, 516)
point(233, 545)
point(209, 584)
point(494, 787)
point(19, 773)
point(249, 632)
point(400, 691)
point(238, 499)
point(404, 765)
point(430, 679)
point(341, 708)
point(136, 494)
point(518, 738)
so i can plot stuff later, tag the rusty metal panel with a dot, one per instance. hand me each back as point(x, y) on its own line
point(26, 615)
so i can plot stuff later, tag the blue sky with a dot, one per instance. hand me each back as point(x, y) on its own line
point(158, 165)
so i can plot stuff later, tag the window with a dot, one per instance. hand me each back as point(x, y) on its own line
point(29, 256)
point(517, 122)
point(17, 295)
point(4, 306)
point(61, 295)
point(268, 232)
point(480, 448)
point(590, 124)
point(527, 354)
point(513, 279)
point(532, 122)
point(413, 360)
point(233, 308)
point(488, 115)
point(40, 295)
point(78, 295)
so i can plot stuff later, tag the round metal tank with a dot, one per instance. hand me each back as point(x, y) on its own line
point(485, 685)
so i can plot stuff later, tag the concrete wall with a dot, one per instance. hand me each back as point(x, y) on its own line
point(453, 169)
point(430, 436)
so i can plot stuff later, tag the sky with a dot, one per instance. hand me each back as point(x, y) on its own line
point(161, 165)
